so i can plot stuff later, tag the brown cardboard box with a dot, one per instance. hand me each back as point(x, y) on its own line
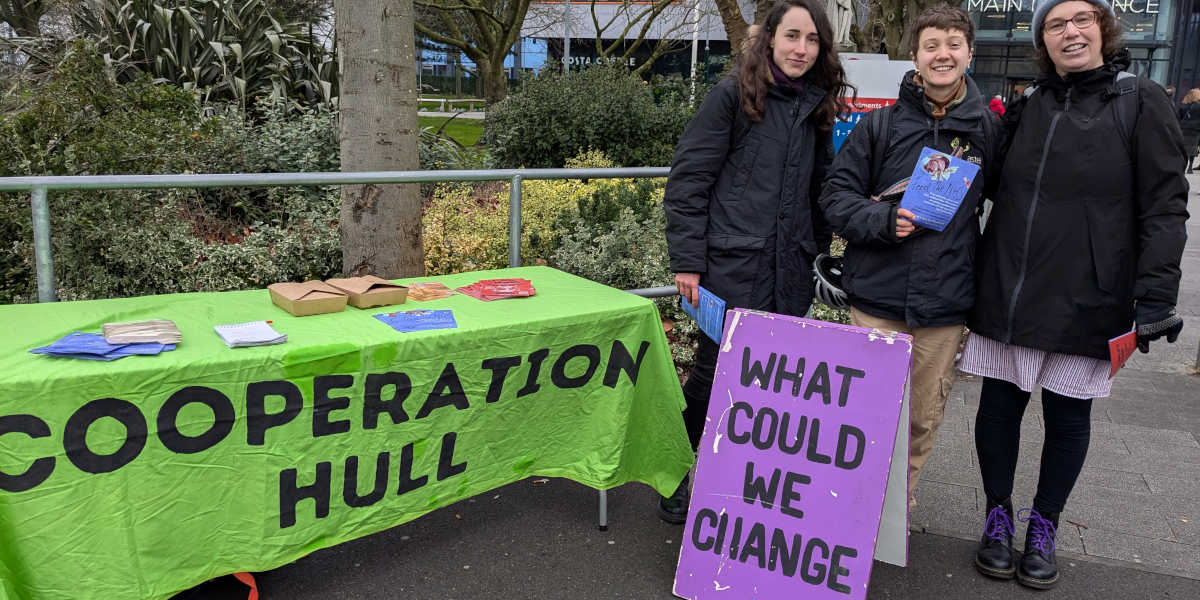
point(308, 298)
point(369, 291)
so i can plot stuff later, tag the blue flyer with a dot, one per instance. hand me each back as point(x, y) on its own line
point(92, 346)
point(710, 315)
point(419, 320)
point(937, 187)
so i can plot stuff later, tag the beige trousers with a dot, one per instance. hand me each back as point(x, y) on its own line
point(932, 376)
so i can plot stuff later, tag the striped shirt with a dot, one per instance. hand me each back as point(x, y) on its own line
point(1070, 375)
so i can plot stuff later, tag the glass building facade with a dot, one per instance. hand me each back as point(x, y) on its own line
point(1185, 71)
point(1004, 41)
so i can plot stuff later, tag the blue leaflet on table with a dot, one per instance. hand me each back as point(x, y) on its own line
point(710, 315)
point(419, 320)
point(92, 346)
point(938, 185)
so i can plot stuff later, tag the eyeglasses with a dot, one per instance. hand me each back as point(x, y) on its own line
point(1082, 20)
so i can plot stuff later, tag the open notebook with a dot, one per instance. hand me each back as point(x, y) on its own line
point(254, 333)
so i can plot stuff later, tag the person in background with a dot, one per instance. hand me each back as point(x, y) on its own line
point(1083, 244)
point(741, 200)
point(899, 277)
point(997, 105)
point(1189, 122)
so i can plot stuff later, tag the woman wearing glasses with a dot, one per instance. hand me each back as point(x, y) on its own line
point(1084, 241)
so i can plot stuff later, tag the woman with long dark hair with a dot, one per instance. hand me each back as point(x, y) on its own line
point(1083, 244)
point(741, 200)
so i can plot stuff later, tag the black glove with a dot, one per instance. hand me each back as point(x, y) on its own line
point(1152, 325)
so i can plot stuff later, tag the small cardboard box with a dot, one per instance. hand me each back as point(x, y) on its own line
point(308, 298)
point(370, 291)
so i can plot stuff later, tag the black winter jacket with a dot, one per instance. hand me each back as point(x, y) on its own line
point(1189, 117)
point(1084, 223)
point(741, 199)
point(1189, 122)
point(926, 279)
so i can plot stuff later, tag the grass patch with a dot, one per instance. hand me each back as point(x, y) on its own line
point(464, 131)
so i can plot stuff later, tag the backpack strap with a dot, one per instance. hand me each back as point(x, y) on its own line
point(879, 130)
point(1125, 106)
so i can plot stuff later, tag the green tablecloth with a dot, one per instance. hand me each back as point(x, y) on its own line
point(150, 474)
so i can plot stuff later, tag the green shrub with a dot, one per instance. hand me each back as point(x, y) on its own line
point(626, 249)
point(224, 50)
point(465, 227)
point(81, 120)
point(553, 118)
point(168, 256)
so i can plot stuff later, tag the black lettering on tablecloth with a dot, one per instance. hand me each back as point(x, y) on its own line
point(168, 420)
point(75, 435)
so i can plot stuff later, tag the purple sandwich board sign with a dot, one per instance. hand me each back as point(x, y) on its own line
point(794, 460)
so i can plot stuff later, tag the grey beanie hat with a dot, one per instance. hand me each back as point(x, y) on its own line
point(1044, 6)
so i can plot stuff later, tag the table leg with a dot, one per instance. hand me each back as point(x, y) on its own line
point(603, 525)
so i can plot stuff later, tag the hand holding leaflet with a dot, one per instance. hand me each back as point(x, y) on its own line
point(710, 315)
point(1120, 349)
point(937, 187)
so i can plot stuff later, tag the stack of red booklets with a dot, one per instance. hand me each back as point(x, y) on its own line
point(498, 289)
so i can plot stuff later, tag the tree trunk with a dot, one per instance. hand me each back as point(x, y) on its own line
point(495, 84)
point(761, 9)
point(380, 224)
point(869, 35)
point(897, 14)
point(735, 25)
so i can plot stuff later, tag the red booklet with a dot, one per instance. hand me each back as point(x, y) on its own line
point(1120, 349)
point(497, 289)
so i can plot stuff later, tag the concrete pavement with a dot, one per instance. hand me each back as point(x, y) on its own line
point(1131, 529)
point(539, 540)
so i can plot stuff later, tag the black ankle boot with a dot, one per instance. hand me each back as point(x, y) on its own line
point(994, 557)
point(674, 509)
point(1039, 567)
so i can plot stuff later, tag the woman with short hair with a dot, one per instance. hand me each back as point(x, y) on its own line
point(900, 277)
point(1084, 241)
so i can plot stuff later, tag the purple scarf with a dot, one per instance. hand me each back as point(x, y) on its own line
point(781, 78)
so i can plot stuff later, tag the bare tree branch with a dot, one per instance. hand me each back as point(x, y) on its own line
point(484, 30)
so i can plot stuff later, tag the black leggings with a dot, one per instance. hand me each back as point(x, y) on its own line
point(998, 433)
point(698, 387)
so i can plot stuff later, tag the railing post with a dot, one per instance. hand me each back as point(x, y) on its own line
point(514, 222)
point(41, 244)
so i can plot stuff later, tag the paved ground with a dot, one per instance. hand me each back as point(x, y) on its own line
point(538, 540)
point(1131, 530)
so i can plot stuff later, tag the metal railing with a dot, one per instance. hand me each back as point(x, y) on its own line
point(39, 188)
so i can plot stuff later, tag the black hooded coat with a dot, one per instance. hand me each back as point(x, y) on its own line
point(1085, 224)
point(741, 200)
point(926, 279)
